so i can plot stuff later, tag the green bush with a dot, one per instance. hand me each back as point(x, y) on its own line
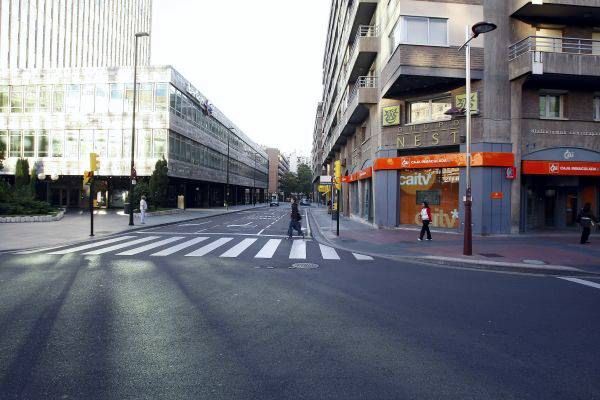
point(22, 173)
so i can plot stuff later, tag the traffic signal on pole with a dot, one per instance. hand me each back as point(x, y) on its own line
point(94, 162)
point(337, 171)
point(87, 177)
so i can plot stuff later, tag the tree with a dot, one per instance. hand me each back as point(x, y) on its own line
point(159, 183)
point(33, 183)
point(22, 173)
point(2, 150)
point(288, 183)
point(304, 179)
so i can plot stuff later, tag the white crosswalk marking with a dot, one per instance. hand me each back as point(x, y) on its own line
point(150, 246)
point(238, 248)
point(91, 245)
point(362, 257)
point(209, 247)
point(329, 253)
point(268, 249)
point(298, 251)
point(120, 246)
point(180, 246)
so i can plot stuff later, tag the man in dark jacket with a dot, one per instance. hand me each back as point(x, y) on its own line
point(295, 218)
point(586, 219)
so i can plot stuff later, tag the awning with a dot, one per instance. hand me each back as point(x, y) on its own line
point(565, 168)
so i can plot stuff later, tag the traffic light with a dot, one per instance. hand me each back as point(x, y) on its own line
point(94, 162)
point(87, 177)
point(337, 171)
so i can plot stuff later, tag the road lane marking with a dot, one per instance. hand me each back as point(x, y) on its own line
point(328, 253)
point(260, 233)
point(91, 245)
point(180, 246)
point(268, 249)
point(307, 222)
point(150, 246)
point(215, 233)
point(362, 257)
point(298, 251)
point(121, 246)
point(581, 282)
point(209, 247)
point(238, 248)
point(196, 224)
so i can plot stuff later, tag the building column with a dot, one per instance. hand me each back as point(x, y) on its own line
point(516, 111)
point(385, 194)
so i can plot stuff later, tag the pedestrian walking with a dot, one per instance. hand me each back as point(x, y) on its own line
point(586, 219)
point(143, 208)
point(425, 216)
point(295, 219)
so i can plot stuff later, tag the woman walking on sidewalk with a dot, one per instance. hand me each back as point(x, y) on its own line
point(586, 219)
point(295, 218)
point(143, 209)
point(425, 216)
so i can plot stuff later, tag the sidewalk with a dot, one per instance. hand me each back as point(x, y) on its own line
point(75, 226)
point(446, 248)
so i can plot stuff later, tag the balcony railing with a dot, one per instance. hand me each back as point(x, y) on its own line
point(363, 82)
point(554, 45)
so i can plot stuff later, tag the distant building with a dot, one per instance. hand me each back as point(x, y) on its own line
point(278, 166)
point(296, 159)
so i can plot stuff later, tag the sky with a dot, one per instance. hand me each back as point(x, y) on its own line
point(258, 61)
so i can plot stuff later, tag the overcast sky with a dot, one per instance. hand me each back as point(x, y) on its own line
point(259, 61)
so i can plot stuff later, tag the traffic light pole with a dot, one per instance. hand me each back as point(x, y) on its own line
point(92, 205)
point(339, 196)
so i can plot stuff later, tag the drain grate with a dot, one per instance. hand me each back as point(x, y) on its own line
point(304, 266)
point(491, 255)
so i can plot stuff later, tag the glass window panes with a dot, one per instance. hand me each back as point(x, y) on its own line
point(144, 140)
point(420, 30)
point(597, 108)
point(146, 97)
point(438, 31)
point(419, 111)
point(31, 98)
point(550, 106)
point(3, 144)
point(115, 143)
point(429, 110)
point(129, 98)
point(28, 143)
point(415, 30)
point(162, 97)
point(102, 98)
point(100, 142)
point(127, 143)
point(57, 143)
point(159, 143)
point(15, 144)
point(58, 99)
point(72, 98)
point(87, 98)
point(86, 144)
point(45, 98)
point(16, 99)
point(71, 144)
point(116, 98)
point(4, 99)
point(439, 107)
point(43, 145)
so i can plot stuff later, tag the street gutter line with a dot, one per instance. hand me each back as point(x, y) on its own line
point(581, 282)
point(212, 233)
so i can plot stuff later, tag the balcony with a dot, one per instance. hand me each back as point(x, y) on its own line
point(364, 49)
point(412, 68)
point(541, 55)
point(361, 14)
point(571, 12)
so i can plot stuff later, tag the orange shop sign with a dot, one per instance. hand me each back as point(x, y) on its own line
point(365, 173)
point(570, 168)
point(451, 160)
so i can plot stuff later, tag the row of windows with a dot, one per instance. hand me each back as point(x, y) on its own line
point(552, 106)
point(191, 152)
point(87, 98)
point(421, 31)
point(77, 144)
point(185, 108)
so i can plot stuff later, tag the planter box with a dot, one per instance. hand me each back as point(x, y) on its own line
point(33, 218)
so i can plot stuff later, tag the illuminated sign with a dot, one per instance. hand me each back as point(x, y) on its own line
point(391, 115)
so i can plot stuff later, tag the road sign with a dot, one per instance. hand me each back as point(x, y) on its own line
point(324, 188)
point(325, 180)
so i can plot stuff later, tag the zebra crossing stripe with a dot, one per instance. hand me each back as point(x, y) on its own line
point(362, 257)
point(120, 246)
point(209, 247)
point(268, 249)
point(238, 248)
point(150, 246)
point(180, 246)
point(91, 245)
point(328, 253)
point(298, 251)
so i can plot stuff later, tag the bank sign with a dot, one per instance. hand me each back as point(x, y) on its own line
point(573, 168)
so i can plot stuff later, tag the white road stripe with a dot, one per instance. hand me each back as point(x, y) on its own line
point(328, 253)
point(238, 248)
point(180, 246)
point(121, 246)
point(362, 257)
point(91, 245)
point(197, 224)
point(581, 282)
point(150, 246)
point(209, 247)
point(268, 249)
point(298, 250)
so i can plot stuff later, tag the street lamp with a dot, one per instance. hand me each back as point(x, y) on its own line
point(254, 181)
point(227, 168)
point(470, 34)
point(132, 171)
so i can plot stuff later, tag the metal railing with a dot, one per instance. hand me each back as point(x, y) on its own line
point(548, 44)
point(362, 32)
point(363, 82)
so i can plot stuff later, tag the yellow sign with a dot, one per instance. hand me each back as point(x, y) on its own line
point(461, 102)
point(324, 188)
point(94, 162)
point(391, 115)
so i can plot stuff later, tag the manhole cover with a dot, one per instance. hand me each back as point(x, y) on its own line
point(304, 266)
point(491, 255)
point(534, 262)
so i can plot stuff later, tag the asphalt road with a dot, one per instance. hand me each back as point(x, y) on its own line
point(164, 314)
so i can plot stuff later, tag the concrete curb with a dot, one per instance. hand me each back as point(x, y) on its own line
point(138, 228)
point(482, 265)
point(32, 218)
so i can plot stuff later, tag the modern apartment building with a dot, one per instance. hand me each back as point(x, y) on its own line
point(278, 166)
point(60, 102)
point(392, 69)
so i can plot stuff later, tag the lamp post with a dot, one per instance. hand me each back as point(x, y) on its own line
point(227, 169)
point(132, 171)
point(254, 181)
point(470, 34)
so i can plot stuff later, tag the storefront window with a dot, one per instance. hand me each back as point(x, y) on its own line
point(71, 144)
point(100, 145)
point(439, 187)
point(31, 98)
point(29, 144)
point(4, 99)
point(72, 98)
point(58, 104)
point(57, 143)
point(115, 142)
point(159, 144)
point(551, 106)
point(15, 144)
point(45, 96)
point(116, 98)
point(43, 144)
point(162, 96)
point(16, 99)
point(102, 98)
point(145, 97)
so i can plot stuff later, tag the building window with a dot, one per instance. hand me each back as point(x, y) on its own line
point(162, 96)
point(16, 99)
point(115, 143)
point(43, 146)
point(29, 144)
point(551, 106)
point(58, 103)
point(129, 98)
point(45, 99)
point(57, 143)
point(88, 95)
point(159, 143)
point(3, 143)
point(597, 108)
point(31, 99)
point(72, 98)
point(4, 99)
point(15, 144)
point(72, 144)
point(146, 95)
point(144, 141)
point(102, 98)
point(86, 144)
point(429, 110)
point(116, 98)
point(420, 31)
point(100, 145)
